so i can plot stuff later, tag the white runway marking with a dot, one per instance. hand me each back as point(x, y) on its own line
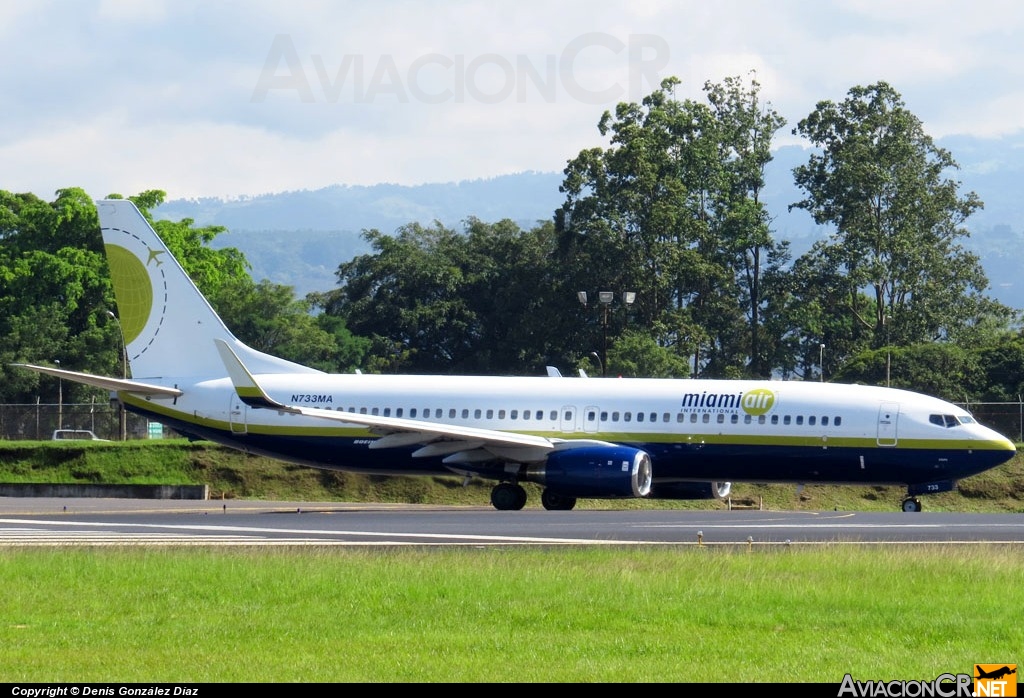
point(253, 534)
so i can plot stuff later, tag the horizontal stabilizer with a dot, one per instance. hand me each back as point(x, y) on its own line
point(122, 385)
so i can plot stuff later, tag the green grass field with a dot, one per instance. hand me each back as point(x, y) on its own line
point(508, 615)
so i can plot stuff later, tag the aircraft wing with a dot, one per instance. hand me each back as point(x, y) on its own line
point(459, 444)
point(117, 384)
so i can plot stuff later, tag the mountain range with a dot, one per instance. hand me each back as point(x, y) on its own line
point(298, 238)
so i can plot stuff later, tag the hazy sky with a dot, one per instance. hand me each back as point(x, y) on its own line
point(252, 97)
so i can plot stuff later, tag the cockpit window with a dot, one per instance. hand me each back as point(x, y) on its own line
point(949, 420)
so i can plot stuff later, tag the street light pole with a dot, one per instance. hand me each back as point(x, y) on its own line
point(605, 299)
point(888, 351)
point(60, 398)
point(821, 361)
point(122, 417)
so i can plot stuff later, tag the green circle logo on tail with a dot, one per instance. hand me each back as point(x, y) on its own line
point(133, 289)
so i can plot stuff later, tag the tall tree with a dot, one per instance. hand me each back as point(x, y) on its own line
point(884, 185)
point(54, 293)
point(746, 129)
point(672, 210)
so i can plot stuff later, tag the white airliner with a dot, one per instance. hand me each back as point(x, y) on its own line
point(577, 437)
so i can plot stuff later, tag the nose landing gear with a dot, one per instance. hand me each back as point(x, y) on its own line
point(911, 504)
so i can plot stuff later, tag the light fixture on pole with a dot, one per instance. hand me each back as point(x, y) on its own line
point(821, 361)
point(605, 299)
point(122, 416)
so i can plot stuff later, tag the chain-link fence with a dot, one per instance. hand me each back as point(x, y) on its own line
point(1005, 417)
point(38, 421)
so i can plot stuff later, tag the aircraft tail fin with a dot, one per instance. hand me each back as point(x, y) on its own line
point(169, 327)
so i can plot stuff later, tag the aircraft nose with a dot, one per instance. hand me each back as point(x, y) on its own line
point(1005, 446)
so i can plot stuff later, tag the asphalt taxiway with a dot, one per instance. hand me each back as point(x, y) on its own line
point(95, 522)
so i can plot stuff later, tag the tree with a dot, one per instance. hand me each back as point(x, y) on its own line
point(672, 210)
point(879, 179)
point(437, 300)
point(54, 292)
point(746, 128)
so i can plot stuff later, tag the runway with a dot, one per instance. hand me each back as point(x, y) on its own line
point(108, 522)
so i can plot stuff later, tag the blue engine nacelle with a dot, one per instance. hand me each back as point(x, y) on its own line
point(597, 471)
point(691, 490)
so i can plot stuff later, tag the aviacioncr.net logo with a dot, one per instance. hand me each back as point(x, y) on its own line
point(758, 402)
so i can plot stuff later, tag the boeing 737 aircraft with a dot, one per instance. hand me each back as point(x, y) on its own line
point(577, 437)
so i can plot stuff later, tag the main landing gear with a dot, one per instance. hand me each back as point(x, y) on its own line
point(911, 504)
point(510, 496)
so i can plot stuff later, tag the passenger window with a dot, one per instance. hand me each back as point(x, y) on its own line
point(707, 418)
point(387, 411)
point(747, 419)
point(775, 419)
point(761, 419)
point(501, 414)
point(615, 416)
point(514, 414)
point(490, 414)
point(540, 415)
point(398, 412)
point(666, 417)
point(412, 413)
point(799, 419)
point(362, 410)
point(735, 419)
point(721, 418)
point(639, 416)
point(693, 418)
point(591, 416)
point(811, 420)
point(554, 415)
point(627, 416)
point(824, 421)
point(438, 412)
point(786, 419)
point(451, 413)
point(837, 421)
point(476, 414)
point(680, 417)
point(465, 413)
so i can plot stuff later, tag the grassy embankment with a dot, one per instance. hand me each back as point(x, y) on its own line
point(233, 475)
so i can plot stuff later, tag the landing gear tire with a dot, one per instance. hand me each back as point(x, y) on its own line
point(556, 502)
point(508, 496)
point(911, 504)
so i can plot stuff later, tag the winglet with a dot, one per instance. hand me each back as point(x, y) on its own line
point(249, 391)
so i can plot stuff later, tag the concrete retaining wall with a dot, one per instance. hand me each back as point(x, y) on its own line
point(108, 491)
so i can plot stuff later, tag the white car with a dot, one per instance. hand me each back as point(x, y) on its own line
point(75, 434)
